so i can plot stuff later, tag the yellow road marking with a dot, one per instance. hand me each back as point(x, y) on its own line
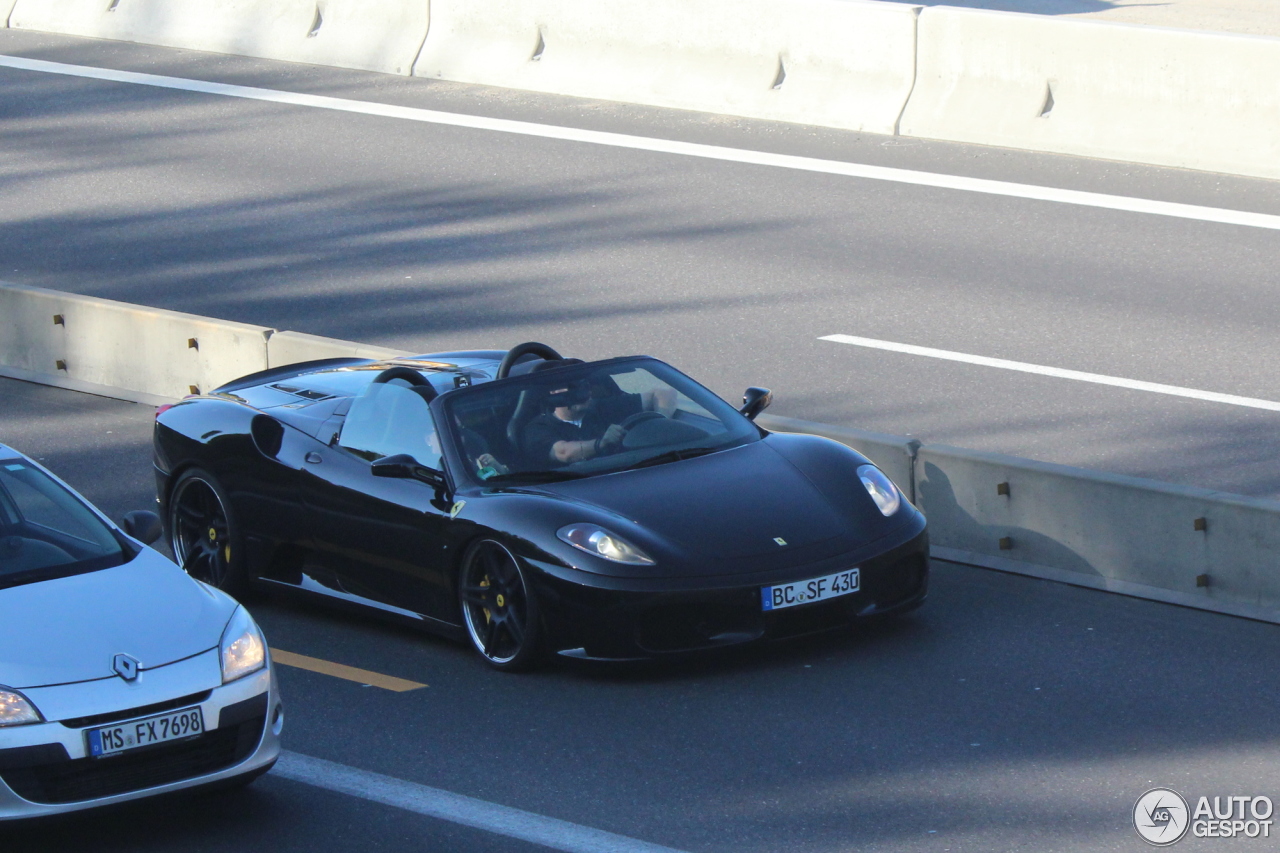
point(350, 673)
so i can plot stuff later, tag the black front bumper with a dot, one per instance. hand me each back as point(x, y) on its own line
point(621, 623)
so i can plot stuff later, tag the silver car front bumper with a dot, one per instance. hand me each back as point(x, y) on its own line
point(46, 769)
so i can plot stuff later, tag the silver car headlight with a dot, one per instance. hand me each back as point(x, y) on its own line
point(243, 649)
point(881, 489)
point(16, 709)
point(594, 539)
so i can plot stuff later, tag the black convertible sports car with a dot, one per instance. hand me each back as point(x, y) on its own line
point(532, 503)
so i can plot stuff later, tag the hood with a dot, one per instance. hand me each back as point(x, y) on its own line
point(730, 504)
point(70, 629)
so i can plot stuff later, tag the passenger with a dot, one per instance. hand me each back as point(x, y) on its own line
point(487, 465)
point(475, 448)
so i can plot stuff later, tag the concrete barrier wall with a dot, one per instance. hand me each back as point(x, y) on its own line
point(292, 347)
point(84, 341)
point(1170, 543)
point(374, 35)
point(1169, 97)
point(893, 454)
point(1199, 100)
point(837, 63)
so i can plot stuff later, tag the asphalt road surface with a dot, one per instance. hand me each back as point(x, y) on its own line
point(1007, 714)
point(425, 236)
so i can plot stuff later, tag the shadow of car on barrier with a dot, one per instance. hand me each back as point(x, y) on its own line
point(959, 530)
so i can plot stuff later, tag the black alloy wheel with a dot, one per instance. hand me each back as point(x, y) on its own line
point(204, 540)
point(499, 608)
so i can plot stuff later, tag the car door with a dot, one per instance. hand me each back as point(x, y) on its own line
point(384, 539)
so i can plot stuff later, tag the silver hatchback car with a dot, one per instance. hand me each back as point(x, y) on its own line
point(120, 676)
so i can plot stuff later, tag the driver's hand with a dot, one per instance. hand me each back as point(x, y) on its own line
point(613, 435)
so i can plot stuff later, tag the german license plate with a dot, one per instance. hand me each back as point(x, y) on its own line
point(122, 737)
point(814, 589)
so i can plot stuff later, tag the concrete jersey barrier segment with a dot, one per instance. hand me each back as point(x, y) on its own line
point(373, 35)
point(1118, 91)
point(1176, 544)
point(837, 63)
point(89, 343)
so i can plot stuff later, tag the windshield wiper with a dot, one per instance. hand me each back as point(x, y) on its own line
point(672, 456)
point(534, 477)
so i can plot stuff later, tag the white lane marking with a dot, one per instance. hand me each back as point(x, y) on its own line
point(664, 146)
point(1080, 376)
point(456, 808)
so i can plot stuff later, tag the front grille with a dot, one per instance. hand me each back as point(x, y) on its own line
point(897, 581)
point(814, 617)
point(131, 713)
point(92, 778)
point(688, 625)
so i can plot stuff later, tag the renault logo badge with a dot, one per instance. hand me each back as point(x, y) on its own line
point(126, 667)
point(780, 540)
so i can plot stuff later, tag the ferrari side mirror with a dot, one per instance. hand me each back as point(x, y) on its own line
point(755, 401)
point(142, 525)
point(403, 466)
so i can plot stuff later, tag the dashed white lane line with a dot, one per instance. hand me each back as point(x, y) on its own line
point(663, 146)
point(456, 808)
point(1061, 373)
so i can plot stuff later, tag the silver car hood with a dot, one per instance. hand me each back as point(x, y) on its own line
point(70, 629)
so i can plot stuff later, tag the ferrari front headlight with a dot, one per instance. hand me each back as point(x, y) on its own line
point(243, 650)
point(16, 709)
point(881, 489)
point(594, 539)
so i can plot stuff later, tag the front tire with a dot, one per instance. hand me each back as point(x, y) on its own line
point(203, 535)
point(499, 608)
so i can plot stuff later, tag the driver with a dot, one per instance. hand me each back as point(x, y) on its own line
point(580, 425)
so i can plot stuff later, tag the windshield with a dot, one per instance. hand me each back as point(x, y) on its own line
point(586, 420)
point(45, 531)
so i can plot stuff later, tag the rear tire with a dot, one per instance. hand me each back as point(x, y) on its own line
point(203, 534)
point(499, 608)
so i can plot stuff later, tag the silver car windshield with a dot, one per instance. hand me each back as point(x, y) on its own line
point(45, 531)
point(586, 420)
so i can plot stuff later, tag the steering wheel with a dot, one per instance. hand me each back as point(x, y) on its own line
point(639, 418)
point(519, 351)
point(408, 374)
